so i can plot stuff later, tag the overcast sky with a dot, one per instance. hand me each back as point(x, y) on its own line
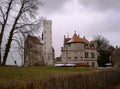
point(86, 17)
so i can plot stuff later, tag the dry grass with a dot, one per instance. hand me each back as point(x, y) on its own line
point(58, 78)
point(116, 87)
point(9, 72)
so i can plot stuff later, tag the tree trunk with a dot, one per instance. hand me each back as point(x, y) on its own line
point(7, 49)
point(4, 24)
point(0, 55)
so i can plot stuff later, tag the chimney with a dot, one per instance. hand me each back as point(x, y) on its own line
point(67, 35)
point(84, 37)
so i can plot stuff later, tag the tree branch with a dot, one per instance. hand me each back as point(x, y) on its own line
point(1, 23)
point(3, 15)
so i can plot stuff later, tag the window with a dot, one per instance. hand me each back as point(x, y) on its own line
point(85, 45)
point(86, 55)
point(92, 55)
point(75, 57)
point(69, 57)
point(93, 64)
point(81, 57)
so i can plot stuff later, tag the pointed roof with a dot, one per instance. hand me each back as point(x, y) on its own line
point(77, 39)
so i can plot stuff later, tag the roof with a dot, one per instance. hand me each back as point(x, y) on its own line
point(66, 40)
point(35, 40)
point(76, 39)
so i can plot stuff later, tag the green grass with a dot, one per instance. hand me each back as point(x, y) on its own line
point(8, 72)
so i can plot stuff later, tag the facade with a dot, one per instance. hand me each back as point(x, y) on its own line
point(116, 57)
point(39, 51)
point(33, 51)
point(78, 50)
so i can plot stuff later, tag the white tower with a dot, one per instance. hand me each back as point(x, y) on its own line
point(47, 37)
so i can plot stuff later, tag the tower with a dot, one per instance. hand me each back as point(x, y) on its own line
point(47, 38)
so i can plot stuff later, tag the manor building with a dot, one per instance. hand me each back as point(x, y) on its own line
point(78, 50)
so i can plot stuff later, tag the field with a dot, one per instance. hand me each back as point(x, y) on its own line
point(9, 72)
point(58, 78)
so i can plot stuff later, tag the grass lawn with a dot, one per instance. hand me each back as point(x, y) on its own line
point(9, 72)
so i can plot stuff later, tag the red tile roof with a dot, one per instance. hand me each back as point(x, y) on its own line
point(76, 39)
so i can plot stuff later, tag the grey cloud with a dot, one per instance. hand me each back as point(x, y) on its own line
point(101, 5)
point(52, 5)
point(109, 25)
point(111, 22)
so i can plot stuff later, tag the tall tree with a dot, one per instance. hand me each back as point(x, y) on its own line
point(5, 12)
point(21, 36)
point(104, 49)
point(101, 42)
point(24, 14)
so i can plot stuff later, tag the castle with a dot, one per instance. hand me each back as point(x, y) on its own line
point(39, 51)
point(78, 50)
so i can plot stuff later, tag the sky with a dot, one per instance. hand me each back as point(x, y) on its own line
point(87, 17)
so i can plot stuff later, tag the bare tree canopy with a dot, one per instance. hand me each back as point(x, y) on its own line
point(104, 49)
point(17, 16)
point(101, 42)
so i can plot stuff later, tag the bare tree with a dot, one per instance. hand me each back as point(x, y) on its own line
point(104, 49)
point(19, 39)
point(23, 17)
point(4, 18)
point(21, 35)
point(101, 42)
